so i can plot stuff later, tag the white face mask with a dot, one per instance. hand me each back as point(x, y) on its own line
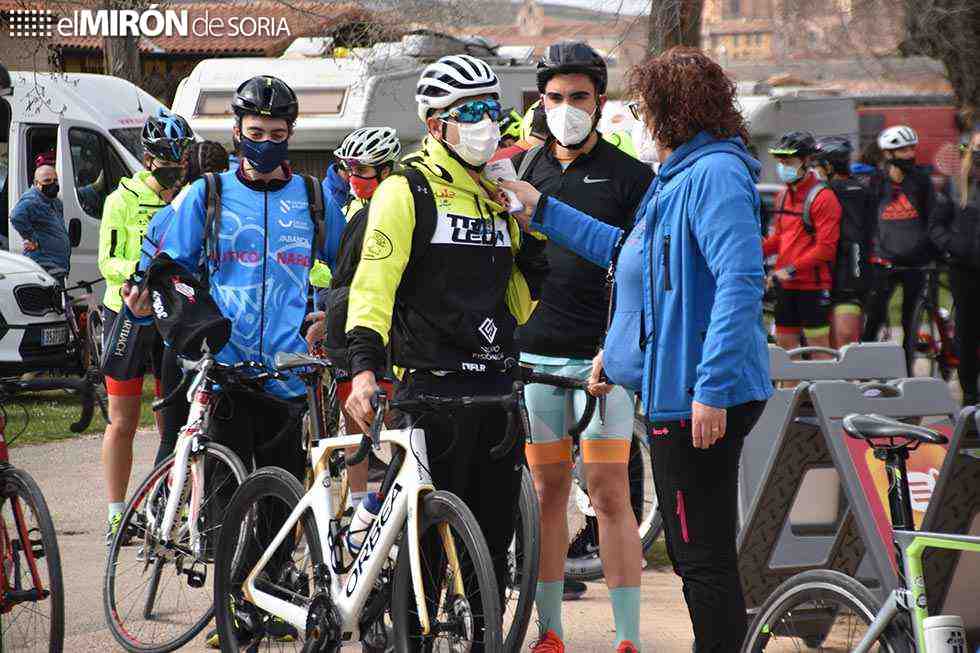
point(644, 144)
point(569, 125)
point(477, 141)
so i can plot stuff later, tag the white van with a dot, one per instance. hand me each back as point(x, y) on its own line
point(371, 87)
point(93, 123)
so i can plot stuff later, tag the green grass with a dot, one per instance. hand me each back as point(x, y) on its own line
point(657, 555)
point(49, 414)
point(895, 305)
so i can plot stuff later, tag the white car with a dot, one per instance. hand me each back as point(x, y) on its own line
point(33, 328)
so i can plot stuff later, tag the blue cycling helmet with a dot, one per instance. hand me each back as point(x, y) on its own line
point(166, 136)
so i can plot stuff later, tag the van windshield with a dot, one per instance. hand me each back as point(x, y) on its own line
point(131, 138)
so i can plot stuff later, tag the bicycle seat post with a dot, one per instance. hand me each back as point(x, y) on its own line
point(899, 498)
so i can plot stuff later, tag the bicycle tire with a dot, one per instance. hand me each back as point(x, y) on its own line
point(526, 561)
point(784, 610)
point(272, 482)
point(445, 507)
point(134, 506)
point(26, 487)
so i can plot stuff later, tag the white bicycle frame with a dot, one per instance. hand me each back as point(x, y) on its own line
point(401, 505)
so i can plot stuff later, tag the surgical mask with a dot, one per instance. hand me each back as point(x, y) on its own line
point(167, 176)
point(477, 141)
point(50, 190)
point(644, 144)
point(788, 174)
point(265, 156)
point(569, 125)
point(363, 187)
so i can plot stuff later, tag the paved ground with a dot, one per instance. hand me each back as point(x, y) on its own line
point(68, 473)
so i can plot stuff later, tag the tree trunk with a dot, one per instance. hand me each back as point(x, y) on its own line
point(121, 55)
point(674, 22)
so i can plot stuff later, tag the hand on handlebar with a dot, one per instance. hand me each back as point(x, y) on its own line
point(597, 380)
point(317, 329)
point(359, 406)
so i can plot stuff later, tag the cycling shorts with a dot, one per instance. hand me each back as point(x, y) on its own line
point(808, 310)
point(152, 346)
point(554, 410)
point(847, 301)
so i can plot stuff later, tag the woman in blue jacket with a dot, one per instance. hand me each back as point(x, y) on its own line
point(686, 330)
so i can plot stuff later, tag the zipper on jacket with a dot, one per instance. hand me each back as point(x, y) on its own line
point(265, 267)
point(682, 516)
point(667, 285)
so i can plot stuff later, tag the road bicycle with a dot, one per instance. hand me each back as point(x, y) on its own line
point(154, 591)
point(32, 595)
point(828, 610)
point(424, 564)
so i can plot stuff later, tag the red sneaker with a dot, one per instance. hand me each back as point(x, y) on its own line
point(627, 646)
point(549, 643)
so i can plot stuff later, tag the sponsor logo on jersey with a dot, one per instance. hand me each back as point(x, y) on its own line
point(293, 258)
point(184, 289)
point(453, 229)
point(473, 367)
point(377, 246)
point(488, 330)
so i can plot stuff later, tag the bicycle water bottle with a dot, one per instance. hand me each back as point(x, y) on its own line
point(945, 634)
point(364, 516)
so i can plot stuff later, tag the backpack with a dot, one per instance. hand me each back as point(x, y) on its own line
point(850, 271)
point(349, 256)
point(212, 217)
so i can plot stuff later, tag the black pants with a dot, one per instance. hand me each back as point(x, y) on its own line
point(174, 416)
point(965, 283)
point(490, 488)
point(884, 281)
point(696, 491)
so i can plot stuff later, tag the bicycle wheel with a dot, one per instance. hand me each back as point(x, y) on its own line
point(256, 513)
point(33, 611)
point(522, 566)
point(155, 598)
point(457, 621)
point(823, 610)
point(583, 562)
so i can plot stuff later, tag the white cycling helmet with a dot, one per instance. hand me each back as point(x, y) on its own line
point(897, 137)
point(370, 146)
point(451, 79)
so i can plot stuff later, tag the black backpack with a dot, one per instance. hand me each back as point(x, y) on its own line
point(212, 217)
point(349, 256)
point(851, 270)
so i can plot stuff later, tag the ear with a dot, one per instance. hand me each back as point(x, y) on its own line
point(602, 102)
point(434, 126)
point(384, 172)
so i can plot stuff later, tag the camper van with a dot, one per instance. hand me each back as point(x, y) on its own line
point(92, 124)
point(368, 87)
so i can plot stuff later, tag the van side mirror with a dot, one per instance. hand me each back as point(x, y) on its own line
point(75, 232)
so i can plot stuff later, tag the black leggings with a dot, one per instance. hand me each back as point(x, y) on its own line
point(884, 281)
point(696, 491)
point(965, 283)
point(174, 416)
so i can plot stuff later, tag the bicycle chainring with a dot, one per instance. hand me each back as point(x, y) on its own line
point(323, 625)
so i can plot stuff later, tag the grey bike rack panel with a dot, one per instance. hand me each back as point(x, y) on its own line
point(833, 400)
point(951, 577)
point(761, 457)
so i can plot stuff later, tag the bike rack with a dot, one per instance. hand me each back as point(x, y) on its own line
point(784, 447)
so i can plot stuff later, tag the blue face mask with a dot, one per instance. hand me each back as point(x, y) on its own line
point(788, 174)
point(265, 156)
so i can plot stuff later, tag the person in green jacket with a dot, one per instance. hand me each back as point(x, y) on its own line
point(125, 217)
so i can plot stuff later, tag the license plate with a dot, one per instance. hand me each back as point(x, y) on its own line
point(54, 336)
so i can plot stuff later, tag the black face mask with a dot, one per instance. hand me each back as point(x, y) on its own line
point(50, 190)
point(905, 165)
point(168, 176)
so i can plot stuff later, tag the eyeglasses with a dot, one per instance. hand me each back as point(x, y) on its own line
point(474, 110)
point(634, 108)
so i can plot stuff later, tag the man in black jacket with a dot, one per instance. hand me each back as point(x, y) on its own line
point(906, 200)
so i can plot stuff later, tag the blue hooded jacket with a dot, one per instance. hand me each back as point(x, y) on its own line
point(335, 186)
point(42, 221)
point(693, 331)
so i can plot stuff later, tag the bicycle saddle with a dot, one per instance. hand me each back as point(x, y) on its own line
point(872, 427)
point(288, 361)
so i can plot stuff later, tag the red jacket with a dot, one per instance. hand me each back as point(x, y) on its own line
point(812, 255)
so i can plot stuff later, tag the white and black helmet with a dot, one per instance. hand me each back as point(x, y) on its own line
point(897, 137)
point(452, 78)
point(370, 146)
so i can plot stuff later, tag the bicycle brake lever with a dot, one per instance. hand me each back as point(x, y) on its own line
point(602, 410)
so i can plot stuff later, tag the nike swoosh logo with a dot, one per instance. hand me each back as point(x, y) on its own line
point(587, 180)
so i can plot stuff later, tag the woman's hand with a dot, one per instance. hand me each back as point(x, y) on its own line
point(318, 328)
point(598, 387)
point(529, 197)
point(707, 425)
point(138, 302)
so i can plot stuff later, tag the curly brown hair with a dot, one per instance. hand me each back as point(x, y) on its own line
point(682, 92)
point(201, 157)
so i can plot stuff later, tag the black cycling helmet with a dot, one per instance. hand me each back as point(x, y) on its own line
point(570, 57)
point(833, 152)
point(166, 136)
point(265, 96)
point(798, 144)
point(6, 86)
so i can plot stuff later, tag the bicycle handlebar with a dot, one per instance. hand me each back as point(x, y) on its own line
point(234, 374)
